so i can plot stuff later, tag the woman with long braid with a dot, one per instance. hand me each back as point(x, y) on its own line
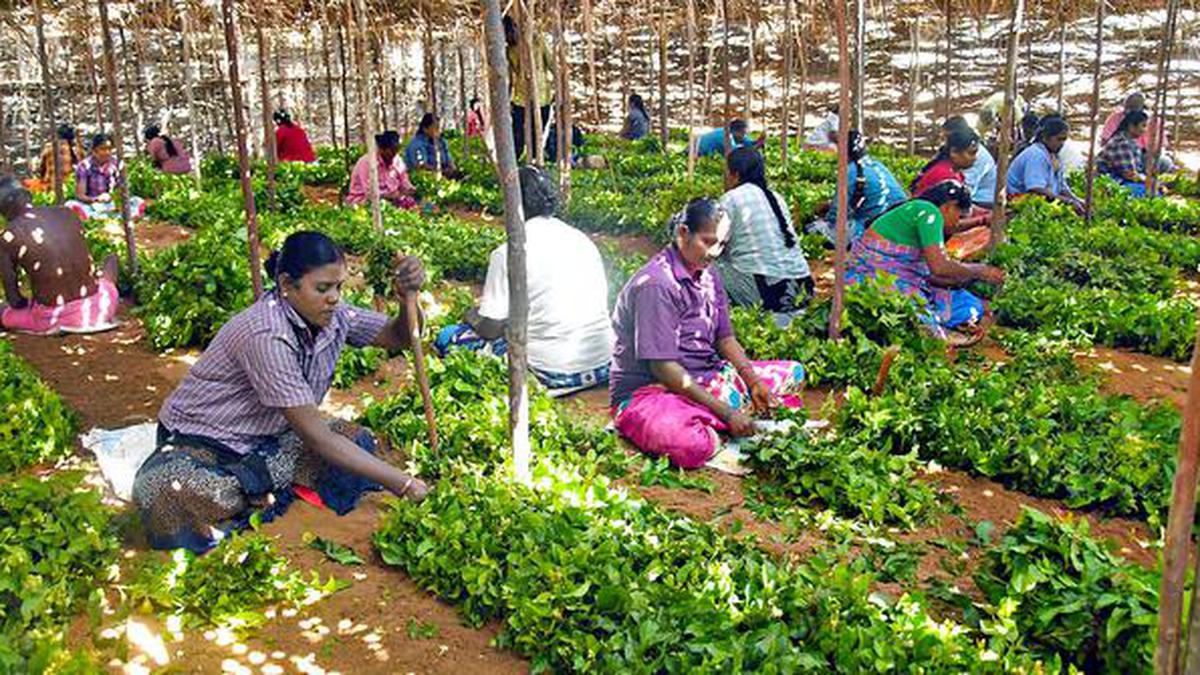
point(762, 263)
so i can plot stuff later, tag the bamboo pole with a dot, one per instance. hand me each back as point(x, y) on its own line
point(751, 64)
point(228, 20)
point(565, 107)
point(47, 102)
point(264, 95)
point(839, 258)
point(664, 130)
point(329, 96)
point(590, 48)
point(114, 105)
point(1095, 111)
point(787, 81)
point(860, 63)
point(189, 79)
point(1160, 97)
point(1007, 120)
point(691, 88)
point(1062, 55)
point(914, 83)
point(514, 219)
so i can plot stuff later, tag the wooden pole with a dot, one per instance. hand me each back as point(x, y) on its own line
point(801, 47)
point(462, 95)
point(725, 72)
point(839, 264)
point(97, 91)
point(565, 106)
point(431, 94)
point(751, 64)
point(135, 79)
point(264, 97)
point(710, 56)
point(949, 55)
point(366, 110)
point(788, 48)
point(1095, 111)
point(329, 96)
point(189, 79)
point(691, 88)
point(914, 84)
point(228, 21)
point(1062, 56)
point(342, 76)
point(590, 48)
point(114, 106)
point(1007, 120)
point(1160, 97)
point(221, 70)
point(533, 51)
point(47, 102)
point(860, 63)
point(624, 53)
point(514, 219)
point(1169, 651)
point(664, 126)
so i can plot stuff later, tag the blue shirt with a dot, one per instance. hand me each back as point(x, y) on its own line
point(981, 177)
point(420, 152)
point(1036, 169)
point(713, 143)
point(881, 191)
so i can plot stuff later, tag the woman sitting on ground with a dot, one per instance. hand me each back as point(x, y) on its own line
point(1039, 168)
point(958, 154)
point(243, 427)
point(1122, 158)
point(394, 186)
point(873, 190)
point(96, 178)
point(570, 336)
point(679, 375)
point(69, 154)
point(637, 120)
point(166, 155)
point(476, 122)
point(762, 263)
point(291, 141)
point(908, 243)
point(428, 151)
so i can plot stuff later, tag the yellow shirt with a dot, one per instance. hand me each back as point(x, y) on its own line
point(543, 71)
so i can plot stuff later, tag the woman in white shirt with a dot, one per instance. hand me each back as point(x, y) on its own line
point(570, 335)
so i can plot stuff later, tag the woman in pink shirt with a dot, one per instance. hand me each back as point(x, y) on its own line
point(476, 124)
point(394, 185)
point(166, 155)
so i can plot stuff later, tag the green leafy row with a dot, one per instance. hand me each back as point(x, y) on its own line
point(35, 425)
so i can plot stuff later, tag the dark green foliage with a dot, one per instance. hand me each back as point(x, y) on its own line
point(35, 425)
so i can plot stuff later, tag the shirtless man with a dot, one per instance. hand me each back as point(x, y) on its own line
point(47, 243)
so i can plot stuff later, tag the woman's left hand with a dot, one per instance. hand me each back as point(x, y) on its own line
point(761, 397)
point(409, 275)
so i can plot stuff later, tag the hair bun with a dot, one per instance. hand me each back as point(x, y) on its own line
point(272, 264)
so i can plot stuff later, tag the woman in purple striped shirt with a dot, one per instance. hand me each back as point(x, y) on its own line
point(243, 433)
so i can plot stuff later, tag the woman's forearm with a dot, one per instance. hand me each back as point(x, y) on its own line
point(677, 380)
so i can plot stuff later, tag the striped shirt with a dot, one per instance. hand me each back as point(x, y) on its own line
point(97, 179)
point(262, 361)
point(756, 244)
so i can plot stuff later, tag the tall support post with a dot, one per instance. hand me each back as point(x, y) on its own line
point(664, 129)
point(625, 68)
point(726, 58)
point(589, 47)
point(1007, 121)
point(333, 135)
point(691, 88)
point(533, 49)
point(97, 90)
point(751, 62)
point(228, 21)
point(1160, 98)
point(114, 106)
point(431, 93)
point(843, 191)
point(135, 79)
point(1095, 112)
point(343, 74)
point(802, 49)
point(1062, 55)
point(366, 109)
point(189, 84)
point(788, 48)
point(1169, 654)
point(47, 101)
point(860, 63)
point(709, 58)
point(914, 83)
point(565, 105)
point(462, 94)
point(949, 56)
point(514, 220)
point(264, 98)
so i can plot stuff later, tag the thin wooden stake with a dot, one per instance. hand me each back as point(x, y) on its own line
point(1062, 56)
point(1160, 98)
point(343, 74)
point(860, 64)
point(1007, 120)
point(839, 264)
point(264, 98)
point(691, 93)
point(788, 48)
point(949, 55)
point(533, 48)
point(565, 111)
point(1169, 652)
point(1095, 112)
point(228, 20)
point(727, 57)
point(514, 220)
point(48, 102)
point(709, 58)
point(664, 126)
point(325, 48)
point(366, 111)
point(431, 92)
point(751, 64)
point(590, 48)
point(914, 84)
point(418, 352)
point(189, 80)
point(114, 106)
point(801, 47)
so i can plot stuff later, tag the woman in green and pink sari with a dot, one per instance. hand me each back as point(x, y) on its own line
point(908, 243)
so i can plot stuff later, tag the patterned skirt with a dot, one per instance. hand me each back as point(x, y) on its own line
point(193, 490)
